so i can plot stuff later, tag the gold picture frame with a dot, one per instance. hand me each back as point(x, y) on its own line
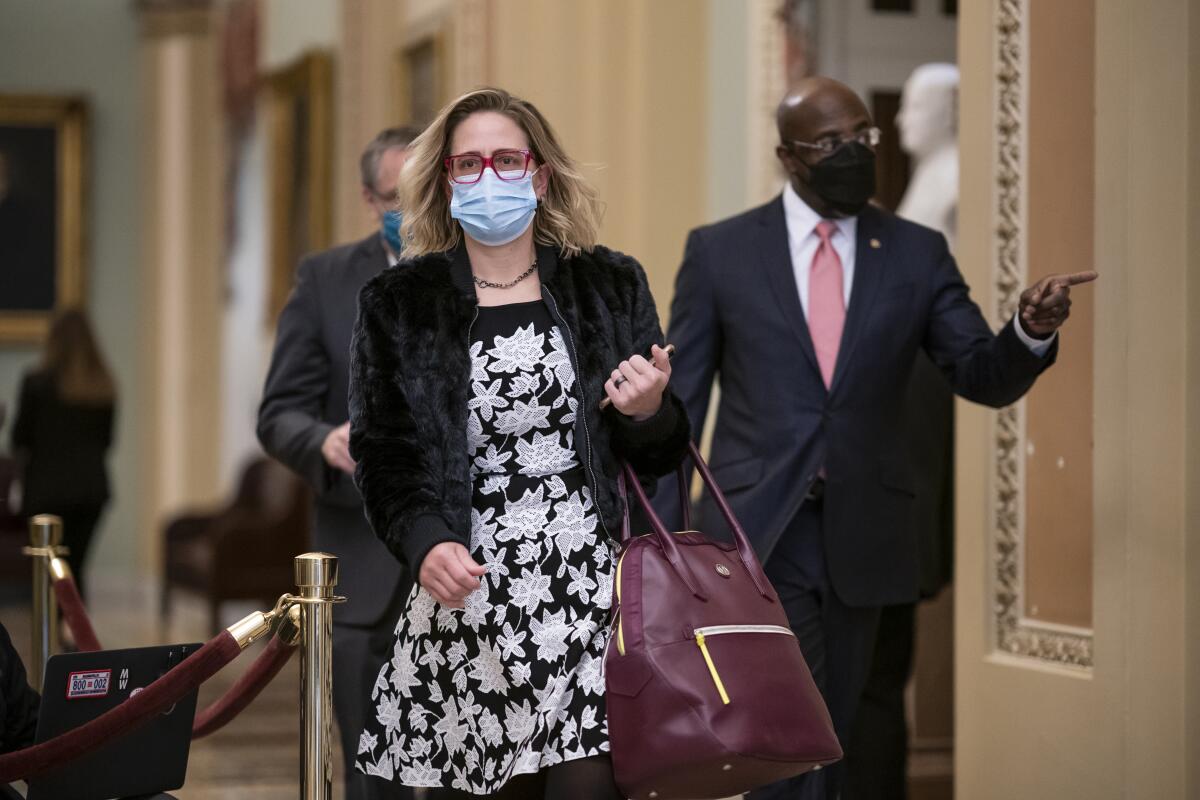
point(299, 112)
point(421, 72)
point(43, 189)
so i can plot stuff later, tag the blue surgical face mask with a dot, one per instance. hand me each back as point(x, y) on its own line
point(390, 225)
point(492, 211)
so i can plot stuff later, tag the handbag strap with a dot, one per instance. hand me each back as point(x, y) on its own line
point(626, 532)
point(665, 540)
point(745, 549)
point(685, 496)
point(685, 501)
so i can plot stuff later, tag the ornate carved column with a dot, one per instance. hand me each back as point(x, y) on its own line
point(1017, 629)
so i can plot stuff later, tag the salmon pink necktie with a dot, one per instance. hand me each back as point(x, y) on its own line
point(826, 302)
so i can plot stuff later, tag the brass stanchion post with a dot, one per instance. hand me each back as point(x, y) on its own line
point(45, 538)
point(316, 575)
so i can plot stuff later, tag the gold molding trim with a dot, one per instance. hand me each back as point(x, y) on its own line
point(1016, 635)
point(68, 115)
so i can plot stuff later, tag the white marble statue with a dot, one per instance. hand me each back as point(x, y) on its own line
point(928, 123)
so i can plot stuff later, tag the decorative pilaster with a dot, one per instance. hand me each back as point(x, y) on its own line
point(182, 247)
point(1015, 634)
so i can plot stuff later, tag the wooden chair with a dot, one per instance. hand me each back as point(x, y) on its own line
point(245, 550)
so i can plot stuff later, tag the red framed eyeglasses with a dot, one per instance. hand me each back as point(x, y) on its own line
point(509, 165)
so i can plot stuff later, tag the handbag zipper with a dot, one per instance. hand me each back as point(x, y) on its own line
point(620, 616)
point(702, 634)
point(717, 630)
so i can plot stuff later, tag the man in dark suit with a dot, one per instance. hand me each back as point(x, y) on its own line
point(812, 309)
point(304, 422)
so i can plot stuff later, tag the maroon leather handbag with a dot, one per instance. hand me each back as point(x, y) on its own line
point(708, 694)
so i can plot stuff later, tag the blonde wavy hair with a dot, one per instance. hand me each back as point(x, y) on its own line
point(568, 215)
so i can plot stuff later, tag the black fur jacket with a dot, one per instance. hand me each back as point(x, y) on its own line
point(410, 382)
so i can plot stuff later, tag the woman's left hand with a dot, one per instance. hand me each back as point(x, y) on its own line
point(637, 385)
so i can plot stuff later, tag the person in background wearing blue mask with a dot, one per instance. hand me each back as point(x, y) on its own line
point(302, 422)
point(487, 465)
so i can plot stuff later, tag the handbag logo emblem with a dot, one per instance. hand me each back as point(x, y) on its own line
point(723, 571)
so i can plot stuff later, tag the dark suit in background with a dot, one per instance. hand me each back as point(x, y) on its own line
point(877, 764)
point(835, 561)
point(63, 446)
point(304, 399)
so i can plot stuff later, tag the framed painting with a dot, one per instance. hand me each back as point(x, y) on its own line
point(43, 177)
point(300, 138)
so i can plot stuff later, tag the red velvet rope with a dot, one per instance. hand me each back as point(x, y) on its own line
point(244, 690)
point(76, 615)
point(193, 671)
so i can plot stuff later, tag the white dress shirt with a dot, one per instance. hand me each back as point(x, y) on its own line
point(803, 242)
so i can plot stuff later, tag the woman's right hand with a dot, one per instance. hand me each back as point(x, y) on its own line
point(449, 574)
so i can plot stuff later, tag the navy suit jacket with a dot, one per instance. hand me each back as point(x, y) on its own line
point(305, 397)
point(737, 314)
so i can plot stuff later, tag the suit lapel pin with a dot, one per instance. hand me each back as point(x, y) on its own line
point(876, 244)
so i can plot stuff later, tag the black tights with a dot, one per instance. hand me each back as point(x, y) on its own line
point(581, 779)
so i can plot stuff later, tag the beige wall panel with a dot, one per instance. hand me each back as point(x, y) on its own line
point(1026, 730)
point(148, 289)
point(1018, 729)
point(424, 9)
point(1152, 272)
point(365, 98)
point(471, 47)
point(621, 82)
point(673, 177)
point(205, 281)
point(290, 27)
point(182, 265)
point(1192, 631)
point(1058, 413)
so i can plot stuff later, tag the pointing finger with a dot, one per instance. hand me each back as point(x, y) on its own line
point(1077, 278)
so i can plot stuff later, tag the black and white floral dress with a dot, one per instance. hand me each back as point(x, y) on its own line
point(512, 683)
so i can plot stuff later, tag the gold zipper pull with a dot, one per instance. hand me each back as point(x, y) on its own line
point(712, 668)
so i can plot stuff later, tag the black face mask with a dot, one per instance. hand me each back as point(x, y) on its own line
point(845, 179)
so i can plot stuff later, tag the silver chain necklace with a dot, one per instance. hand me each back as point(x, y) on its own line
point(482, 284)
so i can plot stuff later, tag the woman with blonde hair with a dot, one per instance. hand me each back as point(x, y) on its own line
point(487, 465)
point(62, 432)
